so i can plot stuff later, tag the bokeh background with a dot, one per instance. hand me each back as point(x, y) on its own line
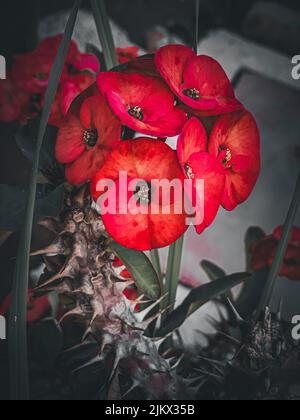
point(255, 42)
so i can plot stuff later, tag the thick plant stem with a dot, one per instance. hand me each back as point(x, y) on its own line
point(173, 272)
point(281, 251)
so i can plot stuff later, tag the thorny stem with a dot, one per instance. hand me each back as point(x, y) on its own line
point(283, 244)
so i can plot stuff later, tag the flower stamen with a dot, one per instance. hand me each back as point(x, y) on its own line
point(136, 112)
point(189, 171)
point(90, 137)
point(143, 192)
point(192, 93)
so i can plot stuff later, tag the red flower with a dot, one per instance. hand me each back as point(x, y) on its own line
point(235, 141)
point(68, 92)
point(38, 307)
point(127, 54)
point(143, 103)
point(199, 81)
point(197, 164)
point(119, 264)
point(142, 65)
point(264, 252)
point(12, 101)
point(86, 139)
point(75, 59)
point(141, 159)
point(31, 71)
point(132, 294)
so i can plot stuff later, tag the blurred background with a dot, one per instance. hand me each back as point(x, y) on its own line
point(255, 42)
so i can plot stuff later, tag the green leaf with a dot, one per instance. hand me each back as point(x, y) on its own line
point(197, 298)
point(104, 33)
point(143, 272)
point(14, 200)
point(212, 270)
point(18, 357)
point(173, 273)
point(27, 139)
point(214, 273)
point(281, 250)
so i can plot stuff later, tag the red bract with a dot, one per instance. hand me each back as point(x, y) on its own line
point(38, 307)
point(199, 81)
point(12, 101)
point(75, 59)
point(198, 165)
point(143, 103)
point(85, 140)
point(235, 141)
point(68, 92)
point(141, 159)
point(264, 252)
point(31, 72)
point(127, 54)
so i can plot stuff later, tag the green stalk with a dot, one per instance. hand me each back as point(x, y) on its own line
point(197, 14)
point(105, 33)
point(173, 272)
point(18, 357)
point(281, 251)
point(156, 262)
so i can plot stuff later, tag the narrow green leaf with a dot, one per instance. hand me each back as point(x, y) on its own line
point(212, 270)
point(18, 313)
point(197, 298)
point(214, 273)
point(173, 272)
point(281, 250)
point(197, 15)
point(143, 272)
point(104, 33)
point(155, 258)
point(27, 139)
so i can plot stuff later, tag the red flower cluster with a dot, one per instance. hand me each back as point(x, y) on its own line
point(22, 94)
point(37, 307)
point(264, 251)
point(131, 292)
point(164, 97)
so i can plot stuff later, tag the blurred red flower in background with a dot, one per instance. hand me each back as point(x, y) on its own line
point(12, 101)
point(264, 251)
point(37, 307)
point(143, 103)
point(142, 159)
point(199, 81)
point(22, 95)
point(235, 141)
point(127, 54)
point(197, 164)
point(85, 139)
